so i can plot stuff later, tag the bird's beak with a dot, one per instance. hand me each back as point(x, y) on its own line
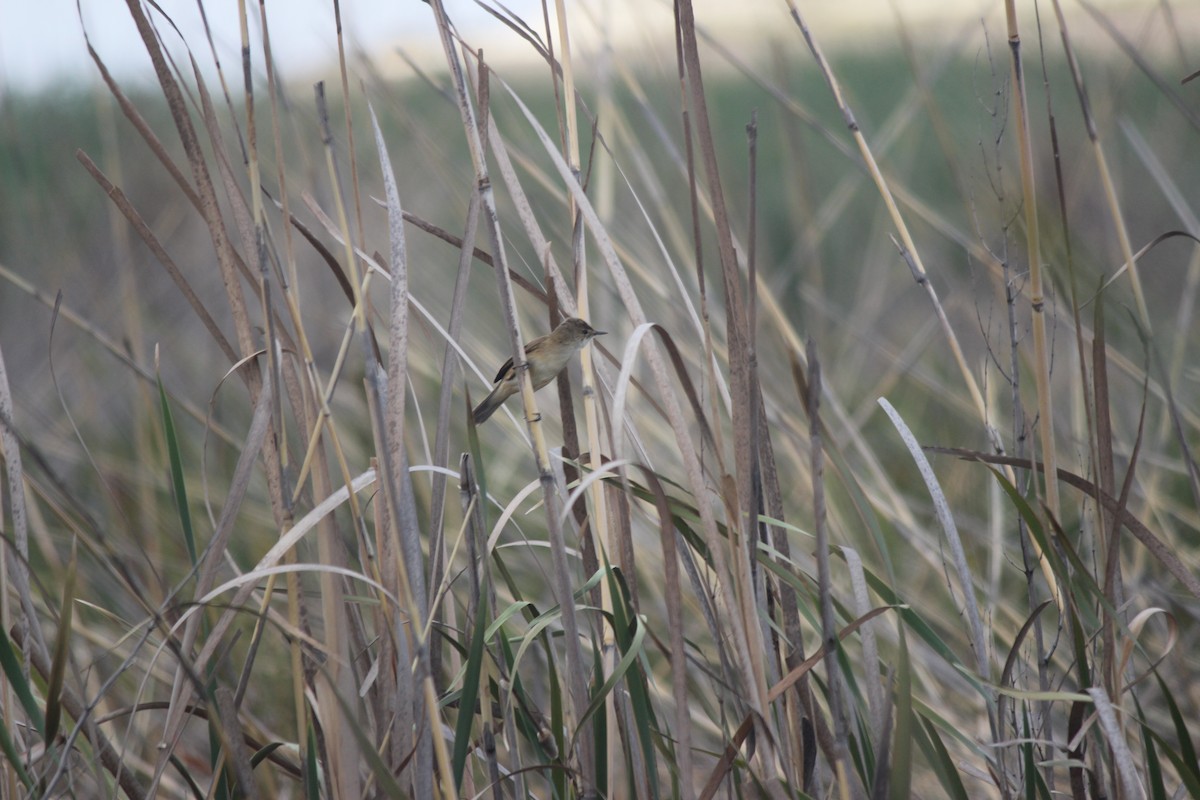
point(598, 333)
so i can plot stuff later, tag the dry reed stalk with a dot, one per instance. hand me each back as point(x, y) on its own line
point(288, 281)
point(598, 525)
point(835, 687)
point(742, 501)
point(575, 666)
point(403, 503)
point(1033, 249)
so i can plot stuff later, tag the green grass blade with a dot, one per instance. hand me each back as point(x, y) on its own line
point(1187, 751)
point(186, 777)
point(10, 662)
point(312, 776)
point(938, 756)
point(628, 659)
point(902, 745)
point(14, 758)
point(640, 703)
point(1186, 770)
point(177, 481)
point(58, 667)
point(469, 696)
point(1154, 773)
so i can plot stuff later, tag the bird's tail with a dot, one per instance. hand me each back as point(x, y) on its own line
point(489, 405)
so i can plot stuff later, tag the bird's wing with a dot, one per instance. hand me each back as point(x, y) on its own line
point(508, 363)
point(504, 368)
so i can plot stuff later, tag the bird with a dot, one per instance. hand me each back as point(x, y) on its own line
point(546, 355)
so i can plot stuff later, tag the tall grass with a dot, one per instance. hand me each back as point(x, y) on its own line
point(883, 484)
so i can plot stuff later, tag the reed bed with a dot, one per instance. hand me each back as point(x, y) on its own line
point(881, 483)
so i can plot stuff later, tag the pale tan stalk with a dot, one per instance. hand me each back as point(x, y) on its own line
point(1033, 242)
point(405, 535)
point(259, 216)
point(343, 755)
point(598, 528)
point(740, 493)
point(1106, 181)
point(288, 285)
point(577, 681)
point(345, 76)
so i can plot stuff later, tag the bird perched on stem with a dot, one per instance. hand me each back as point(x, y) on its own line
point(546, 355)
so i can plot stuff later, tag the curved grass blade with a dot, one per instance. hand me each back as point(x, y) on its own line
point(1186, 750)
point(939, 758)
point(627, 660)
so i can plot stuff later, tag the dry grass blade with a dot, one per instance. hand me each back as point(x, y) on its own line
point(742, 381)
point(946, 520)
point(450, 369)
point(1104, 455)
point(537, 239)
point(829, 639)
point(877, 703)
point(575, 667)
point(788, 681)
point(231, 738)
point(1102, 168)
point(1115, 739)
point(152, 141)
point(143, 230)
point(625, 380)
point(16, 569)
point(399, 490)
point(1157, 547)
point(397, 374)
point(1135, 55)
point(209, 205)
point(675, 619)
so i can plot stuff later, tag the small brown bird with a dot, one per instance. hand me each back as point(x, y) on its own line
point(547, 356)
